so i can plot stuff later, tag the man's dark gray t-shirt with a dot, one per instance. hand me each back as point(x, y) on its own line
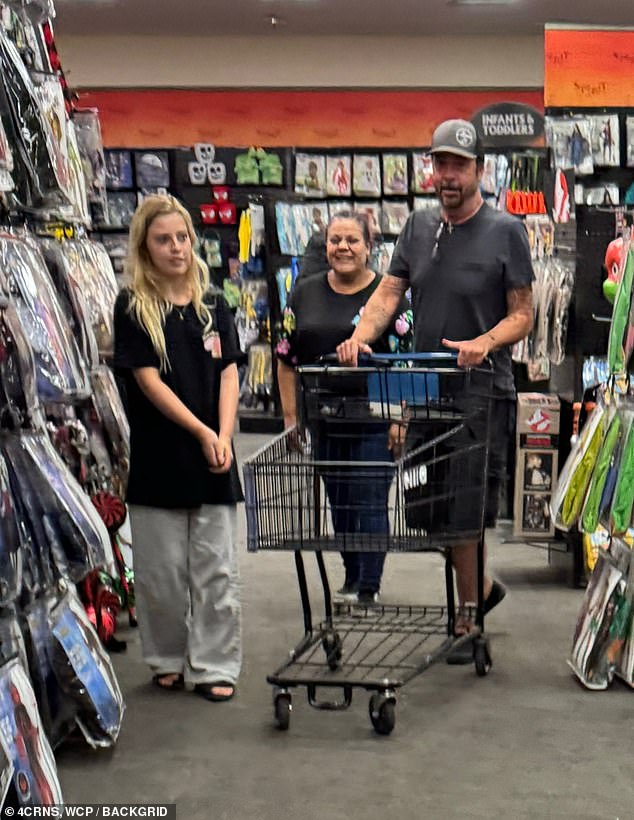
point(461, 293)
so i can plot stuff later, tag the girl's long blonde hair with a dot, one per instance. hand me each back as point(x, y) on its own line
point(150, 307)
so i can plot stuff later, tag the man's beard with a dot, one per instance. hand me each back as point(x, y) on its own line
point(455, 201)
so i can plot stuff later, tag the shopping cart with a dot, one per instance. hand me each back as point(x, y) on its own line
point(305, 492)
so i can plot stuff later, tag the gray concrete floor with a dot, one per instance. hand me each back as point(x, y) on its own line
point(524, 742)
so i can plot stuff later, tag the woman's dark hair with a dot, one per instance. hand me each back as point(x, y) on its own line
point(360, 219)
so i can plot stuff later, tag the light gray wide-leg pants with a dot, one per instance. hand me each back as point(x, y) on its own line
point(187, 590)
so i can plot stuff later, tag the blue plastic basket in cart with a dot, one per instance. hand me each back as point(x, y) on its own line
point(398, 387)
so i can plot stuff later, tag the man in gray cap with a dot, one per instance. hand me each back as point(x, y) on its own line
point(470, 272)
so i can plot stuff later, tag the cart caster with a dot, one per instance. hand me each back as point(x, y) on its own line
point(282, 707)
point(482, 657)
point(331, 643)
point(382, 713)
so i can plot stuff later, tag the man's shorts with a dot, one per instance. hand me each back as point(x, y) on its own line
point(446, 490)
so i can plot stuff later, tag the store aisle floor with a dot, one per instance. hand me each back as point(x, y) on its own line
point(525, 742)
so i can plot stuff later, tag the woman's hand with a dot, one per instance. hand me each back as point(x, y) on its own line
point(224, 455)
point(348, 352)
point(216, 449)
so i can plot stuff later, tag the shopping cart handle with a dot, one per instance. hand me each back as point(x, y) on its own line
point(430, 356)
point(388, 358)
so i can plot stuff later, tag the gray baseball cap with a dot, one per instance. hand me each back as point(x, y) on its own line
point(456, 137)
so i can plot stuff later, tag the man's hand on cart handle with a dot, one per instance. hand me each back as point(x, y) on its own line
point(471, 352)
point(348, 351)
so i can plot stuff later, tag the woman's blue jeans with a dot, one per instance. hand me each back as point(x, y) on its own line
point(358, 497)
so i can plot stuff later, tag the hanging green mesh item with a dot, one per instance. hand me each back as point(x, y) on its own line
point(592, 507)
point(619, 327)
point(578, 482)
point(621, 512)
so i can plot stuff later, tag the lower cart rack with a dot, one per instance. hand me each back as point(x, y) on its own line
point(376, 648)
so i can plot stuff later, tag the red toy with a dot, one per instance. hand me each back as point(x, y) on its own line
point(614, 265)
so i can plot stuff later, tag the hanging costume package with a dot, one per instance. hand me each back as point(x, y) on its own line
point(575, 476)
point(77, 179)
point(6, 161)
point(109, 407)
point(71, 297)
point(50, 97)
point(57, 709)
point(64, 524)
point(24, 740)
point(602, 624)
point(61, 374)
point(88, 133)
point(37, 10)
point(18, 378)
point(101, 289)
point(625, 664)
point(36, 168)
point(10, 542)
point(87, 674)
point(564, 278)
point(91, 268)
point(31, 41)
point(11, 637)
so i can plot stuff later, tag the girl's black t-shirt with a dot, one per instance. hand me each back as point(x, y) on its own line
point(167, 465)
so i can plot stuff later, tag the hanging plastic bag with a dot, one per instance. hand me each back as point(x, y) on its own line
point(90, 143)
point(6, 162)
point(109, 408)
point(595, 499)
point(18, 379)
point(625, 664)
point(623, 500)
point(61, 373)
point(57, 710)
point(65, 526)
point(602, 623)
point(77, 179)
point(35, 173)
point(71, 297)
point(10, 542)
point(24, 740)
point(575, 476)
point(87, 674)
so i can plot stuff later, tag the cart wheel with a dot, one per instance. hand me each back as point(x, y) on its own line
point(283, 708)
point(482, 657)
point(382, 714)
point(332, 647)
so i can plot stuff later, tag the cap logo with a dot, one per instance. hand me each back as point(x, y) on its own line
point(464, 137)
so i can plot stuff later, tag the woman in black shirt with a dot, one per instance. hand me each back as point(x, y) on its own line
point(176, 350)
point(322, 311)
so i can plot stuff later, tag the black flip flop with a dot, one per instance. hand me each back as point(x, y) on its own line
point(175, 686)
point(495, 596)
point(205, 690)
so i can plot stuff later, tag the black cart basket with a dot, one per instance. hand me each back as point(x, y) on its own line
point(323, 487)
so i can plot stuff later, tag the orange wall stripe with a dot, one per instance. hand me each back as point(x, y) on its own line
point(586, 68)
point(169, 118)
